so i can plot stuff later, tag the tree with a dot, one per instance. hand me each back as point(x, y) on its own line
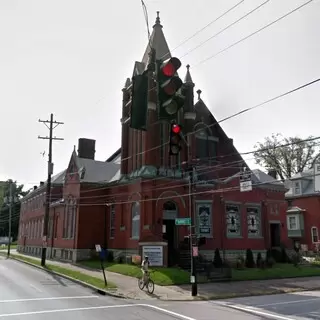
point(287, 156)
point(17, 193)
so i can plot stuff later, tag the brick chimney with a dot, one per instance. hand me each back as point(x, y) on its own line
point(86, 148)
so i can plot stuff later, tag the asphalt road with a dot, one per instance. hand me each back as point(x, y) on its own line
point(302, 305)
point(30, 293)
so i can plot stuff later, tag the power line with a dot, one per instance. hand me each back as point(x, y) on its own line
point(232, 116)
point(206, 170)
point(253, 33)
point(205, 27)
point(224, 29)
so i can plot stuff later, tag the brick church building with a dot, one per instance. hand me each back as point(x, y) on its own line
point(144, 190)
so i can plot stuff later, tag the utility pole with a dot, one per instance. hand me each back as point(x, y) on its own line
point(51, 127)
point(10, 200)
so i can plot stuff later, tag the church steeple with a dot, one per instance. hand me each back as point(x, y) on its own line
point(158, 42)
point(188, 78)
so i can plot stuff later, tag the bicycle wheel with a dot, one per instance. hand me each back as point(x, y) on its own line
point(140, 284)
point(150, 287)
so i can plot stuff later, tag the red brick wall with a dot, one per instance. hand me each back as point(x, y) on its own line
point(311, 217)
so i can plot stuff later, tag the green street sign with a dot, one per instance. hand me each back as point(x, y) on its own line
point(183, 221)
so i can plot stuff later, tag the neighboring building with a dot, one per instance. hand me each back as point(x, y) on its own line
point(303, 214)
point(144, 190)
point(74, 227)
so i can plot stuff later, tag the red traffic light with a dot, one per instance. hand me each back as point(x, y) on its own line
point(170, 67)
point(176, 128)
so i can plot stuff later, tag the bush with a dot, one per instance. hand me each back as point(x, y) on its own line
point(270, 262)
point(217, 261)
point(240, 263)
point(110, 256)
point(249, 259)
point(259, 260)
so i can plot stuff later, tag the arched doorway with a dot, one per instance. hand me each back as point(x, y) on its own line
point(169, 231)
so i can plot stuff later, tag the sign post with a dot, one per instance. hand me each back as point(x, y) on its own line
point(102, 255)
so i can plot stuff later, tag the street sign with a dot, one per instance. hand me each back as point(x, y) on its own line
point(183, 221)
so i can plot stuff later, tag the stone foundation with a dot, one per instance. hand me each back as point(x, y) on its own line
point(71, 255)
point(232, 255)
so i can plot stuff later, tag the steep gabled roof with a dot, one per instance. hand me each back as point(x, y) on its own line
point(158, 42)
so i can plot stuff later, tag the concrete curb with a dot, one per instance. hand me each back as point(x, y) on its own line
point(198, 298)
point(256, 293)
point(82, 283)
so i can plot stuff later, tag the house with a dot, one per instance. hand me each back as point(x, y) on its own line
point(74, 226)
point(303, 219)
point(131, 202)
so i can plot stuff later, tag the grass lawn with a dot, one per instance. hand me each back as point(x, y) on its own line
point(278, 271)
point(161, 276)
point(99, 283)
point(174, 276)
point(13, 246)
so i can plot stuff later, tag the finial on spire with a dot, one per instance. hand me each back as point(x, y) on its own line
point(158, 18)
point(188, 79)
point(199, 93)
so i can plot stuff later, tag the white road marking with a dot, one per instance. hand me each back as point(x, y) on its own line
point(48, 298)
point(35, 288)
point(287, 302)
point(258, 312)
point(181, 316)
point(171, 313)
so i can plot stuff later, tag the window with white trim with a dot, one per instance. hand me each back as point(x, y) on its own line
point(292, 222)
point(297, 187)
point(314, 234)
point(135, 226)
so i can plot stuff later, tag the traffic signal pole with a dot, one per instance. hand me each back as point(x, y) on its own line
point(194, 284)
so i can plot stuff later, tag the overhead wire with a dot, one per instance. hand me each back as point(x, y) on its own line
point(224, 29)
point(175, 183)
point(253, 33)
point(205, 27)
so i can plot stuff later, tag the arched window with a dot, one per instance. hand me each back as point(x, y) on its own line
point(135, 217)
point(206, 144)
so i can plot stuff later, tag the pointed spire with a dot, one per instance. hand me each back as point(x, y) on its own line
point(188, 79)
point(199, 93)
point(158, 42)
point(127, 84)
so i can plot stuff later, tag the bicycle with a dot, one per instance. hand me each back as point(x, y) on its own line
point(149, 283)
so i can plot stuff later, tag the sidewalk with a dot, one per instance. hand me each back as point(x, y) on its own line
point(128, 287)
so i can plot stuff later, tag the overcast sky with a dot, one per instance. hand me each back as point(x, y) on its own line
point(72, 58)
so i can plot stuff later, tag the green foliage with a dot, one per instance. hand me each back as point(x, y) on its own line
point(17, 193)
point(217, 261)
point(249, 259)
point(287, 156)
point(259, 260)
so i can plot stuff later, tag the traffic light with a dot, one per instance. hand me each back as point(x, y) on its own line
point(175, 139)
point(168, 82)
point(139, 102)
